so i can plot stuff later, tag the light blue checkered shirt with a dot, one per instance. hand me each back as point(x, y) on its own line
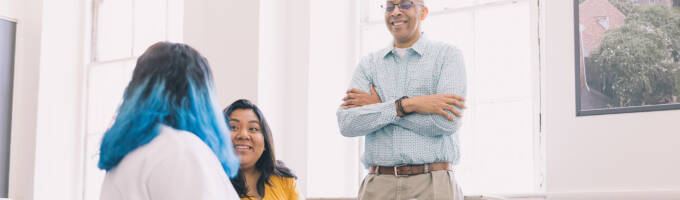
point(429, 67)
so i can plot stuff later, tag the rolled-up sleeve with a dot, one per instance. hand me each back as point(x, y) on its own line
point(363, 120)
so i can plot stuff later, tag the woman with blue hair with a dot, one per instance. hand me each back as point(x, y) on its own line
point(168, 140)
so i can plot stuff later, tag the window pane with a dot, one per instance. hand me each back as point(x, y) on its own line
point(457, 28)
point(497, 149)
point(105, 93)
point(374, 37)
point(504, 52)
point(441, 5)
point(114, 30)
point(150, 23)
point(372, 12)
point(497, 138)
point(93, 175)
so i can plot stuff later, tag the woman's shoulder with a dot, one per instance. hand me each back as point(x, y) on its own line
point(172, 149)
point(173, 143)
point(284, 186)
point(178, 137)
point(281, 180)
point(175, 159)
point(170, 146)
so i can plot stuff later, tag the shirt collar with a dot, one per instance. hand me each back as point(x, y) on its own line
point(418, 47)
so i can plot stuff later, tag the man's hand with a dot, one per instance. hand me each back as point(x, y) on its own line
point(434, 104)
point(356, 98)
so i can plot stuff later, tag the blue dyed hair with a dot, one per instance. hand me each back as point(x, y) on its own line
point(172, 85)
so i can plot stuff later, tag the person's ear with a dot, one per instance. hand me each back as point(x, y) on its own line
point(424, 12)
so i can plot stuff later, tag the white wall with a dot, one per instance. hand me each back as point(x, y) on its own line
point(226, 32)
point(28, 14)
point(624, 156)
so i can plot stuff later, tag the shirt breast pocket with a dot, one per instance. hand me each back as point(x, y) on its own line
point(421, 81)
point(385, 84)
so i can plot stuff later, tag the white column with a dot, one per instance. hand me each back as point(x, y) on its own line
point(333, 165)
point(58, 172)
point(283, 83)
point(25, 98)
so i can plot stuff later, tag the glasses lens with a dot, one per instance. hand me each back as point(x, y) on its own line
point(405, 5)
point(389, 7)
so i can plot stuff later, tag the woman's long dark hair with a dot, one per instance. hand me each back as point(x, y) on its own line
point(267, 163)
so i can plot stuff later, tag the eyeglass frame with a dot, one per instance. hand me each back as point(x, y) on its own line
point(387, 6)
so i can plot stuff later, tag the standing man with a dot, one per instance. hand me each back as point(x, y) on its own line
point(407, 99)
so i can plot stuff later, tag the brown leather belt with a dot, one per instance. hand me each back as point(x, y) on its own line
point(405, 170)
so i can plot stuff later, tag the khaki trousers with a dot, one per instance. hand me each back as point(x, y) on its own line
point(435, 185)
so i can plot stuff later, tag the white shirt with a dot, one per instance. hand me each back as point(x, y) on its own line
point(174, 165)
point(401, 51)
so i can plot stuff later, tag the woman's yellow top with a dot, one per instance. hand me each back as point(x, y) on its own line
point(281, 188)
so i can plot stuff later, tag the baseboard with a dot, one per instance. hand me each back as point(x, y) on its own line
point(652, 194)
point(472, 197)
point(331, 198)
point(655, 194)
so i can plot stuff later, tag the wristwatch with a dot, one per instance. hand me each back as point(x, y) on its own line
point(400, 106)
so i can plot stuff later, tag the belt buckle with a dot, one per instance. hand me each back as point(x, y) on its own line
point(396, 174)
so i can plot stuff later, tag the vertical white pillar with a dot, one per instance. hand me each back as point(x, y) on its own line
point(59, 147)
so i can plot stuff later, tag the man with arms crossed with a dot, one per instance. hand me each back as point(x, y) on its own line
point(407, 99)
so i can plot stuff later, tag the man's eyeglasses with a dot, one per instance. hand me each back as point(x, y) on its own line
point(403, 6)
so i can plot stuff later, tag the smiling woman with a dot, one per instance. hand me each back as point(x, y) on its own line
point(260, 176)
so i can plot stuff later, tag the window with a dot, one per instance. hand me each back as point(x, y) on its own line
point(499, 135)
point(603, 21)
point(121, 31)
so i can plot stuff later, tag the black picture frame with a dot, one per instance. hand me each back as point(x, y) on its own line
point(580, 111)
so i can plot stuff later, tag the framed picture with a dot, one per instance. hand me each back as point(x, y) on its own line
point(627, 56)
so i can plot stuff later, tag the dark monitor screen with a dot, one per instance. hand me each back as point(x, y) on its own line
point(7, 41)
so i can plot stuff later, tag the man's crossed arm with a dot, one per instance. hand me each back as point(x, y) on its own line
point(429, 104)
